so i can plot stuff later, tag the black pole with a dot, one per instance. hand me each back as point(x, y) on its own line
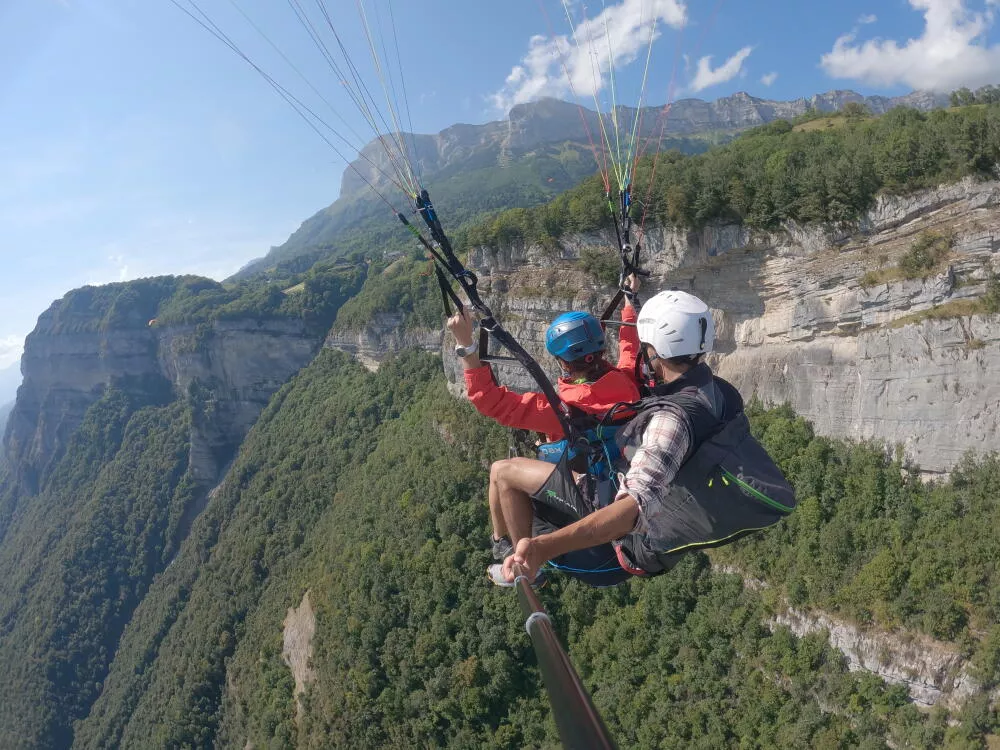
point(580, 726)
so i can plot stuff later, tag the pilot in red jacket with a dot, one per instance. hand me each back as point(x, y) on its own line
point(589, 383)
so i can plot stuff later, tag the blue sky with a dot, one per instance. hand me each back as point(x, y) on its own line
point(132, 143)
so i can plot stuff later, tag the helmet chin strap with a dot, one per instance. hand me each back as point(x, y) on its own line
point(649, 372)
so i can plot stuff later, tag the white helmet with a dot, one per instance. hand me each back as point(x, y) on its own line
point(676, 324)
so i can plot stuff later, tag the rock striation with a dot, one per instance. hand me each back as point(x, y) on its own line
point(384, 335)
point(932, 672)
point(229, 369)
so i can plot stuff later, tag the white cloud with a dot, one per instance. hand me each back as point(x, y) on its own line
point(769, 78)
point(119, 262)
point(10, 350)
point(581, 62)
point(950, 53)
point(705, 76)
point(867, 18)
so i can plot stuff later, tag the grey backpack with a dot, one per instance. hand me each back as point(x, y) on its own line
point(727, 487)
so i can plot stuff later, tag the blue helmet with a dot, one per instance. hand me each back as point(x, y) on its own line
point(574, 335)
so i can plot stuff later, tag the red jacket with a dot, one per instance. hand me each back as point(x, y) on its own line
point(531, 411)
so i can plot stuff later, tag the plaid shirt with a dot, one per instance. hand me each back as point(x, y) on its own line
point(665, 442)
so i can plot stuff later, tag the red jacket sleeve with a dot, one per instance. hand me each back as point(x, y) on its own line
point(525, 411)
point(628, 341)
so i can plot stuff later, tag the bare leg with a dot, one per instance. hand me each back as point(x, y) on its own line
point(496, 511)
point(516, 479)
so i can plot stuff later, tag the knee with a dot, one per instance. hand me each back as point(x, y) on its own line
point(500, 471)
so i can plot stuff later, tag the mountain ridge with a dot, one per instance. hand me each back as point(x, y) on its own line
point(550, 120)
point(513, 141)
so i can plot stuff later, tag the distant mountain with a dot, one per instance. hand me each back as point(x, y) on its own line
point(541, 149)
point(5, 410)
point(10, 379)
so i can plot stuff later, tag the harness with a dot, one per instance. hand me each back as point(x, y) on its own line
point(596, 454)
point(595, 451)
point(727, 486)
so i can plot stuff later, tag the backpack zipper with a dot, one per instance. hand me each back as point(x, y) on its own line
point(756, 493)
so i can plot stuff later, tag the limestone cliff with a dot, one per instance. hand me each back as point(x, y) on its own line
point(384, 335)
point(933, 672)
point(230, 369)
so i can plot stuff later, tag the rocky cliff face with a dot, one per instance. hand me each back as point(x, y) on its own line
point(383, 336)
point(229, 369)
point(932, 672)
point(898, 360)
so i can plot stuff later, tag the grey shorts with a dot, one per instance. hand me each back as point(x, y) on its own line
point(563, 499)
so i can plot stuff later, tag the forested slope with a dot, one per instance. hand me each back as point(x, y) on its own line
point(80, 545)
point(80, 557)
point(368, 491)
point(873, 542)
point(783, 171)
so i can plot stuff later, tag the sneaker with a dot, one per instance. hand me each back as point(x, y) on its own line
point(502, 549)
point(495, 574)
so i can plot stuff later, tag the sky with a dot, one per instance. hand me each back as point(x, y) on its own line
point(133, 143)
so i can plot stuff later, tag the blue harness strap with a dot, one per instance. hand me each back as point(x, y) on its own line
point(602, 451)
point(594, 566)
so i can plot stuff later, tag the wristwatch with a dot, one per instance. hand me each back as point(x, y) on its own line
point(465, 351)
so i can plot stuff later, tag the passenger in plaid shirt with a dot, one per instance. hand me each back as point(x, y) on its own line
point(676, 331)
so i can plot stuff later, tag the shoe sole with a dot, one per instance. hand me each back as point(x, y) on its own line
point(536, 584)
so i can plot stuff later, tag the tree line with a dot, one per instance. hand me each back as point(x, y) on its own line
point(778, 173)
